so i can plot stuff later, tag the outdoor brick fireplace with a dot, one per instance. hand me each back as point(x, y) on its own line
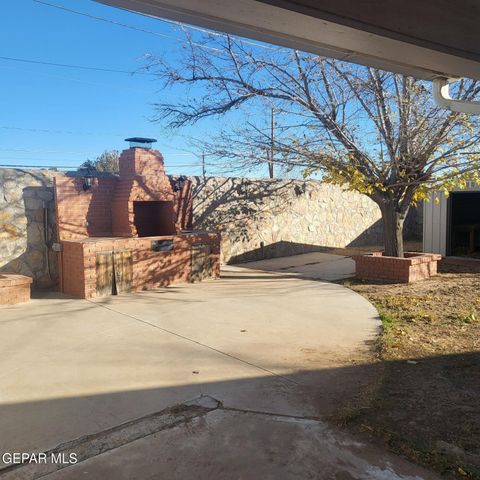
point(132, 231)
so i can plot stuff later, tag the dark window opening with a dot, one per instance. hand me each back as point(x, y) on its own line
point(465, 224)
point(154, 218)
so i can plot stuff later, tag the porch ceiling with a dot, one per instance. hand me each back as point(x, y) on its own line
point(426, 39)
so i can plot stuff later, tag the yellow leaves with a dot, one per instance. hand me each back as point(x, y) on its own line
point(350, 176)
point(452, 172)
point(358, 181)
point(420, 195)
point(450, 181)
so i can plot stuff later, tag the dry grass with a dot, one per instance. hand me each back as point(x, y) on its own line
point(426, 405)
point(435, 317)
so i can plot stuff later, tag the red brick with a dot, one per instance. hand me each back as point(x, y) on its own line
point(14, 288)
point(415, 266)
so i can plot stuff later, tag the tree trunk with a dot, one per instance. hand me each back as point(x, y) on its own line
point(392, 230)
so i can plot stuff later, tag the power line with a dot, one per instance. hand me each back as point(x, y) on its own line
point(151, 32)
point(62, 132)
point(68, 132)
point(17, 165)
point(120, 24)
point(102, 19)
point(112, 70)
point(66, 65)
point(181, 166)
point(205, 30)
point(62, 77)
point(176, 152)
point(25, 150)
point(70, 152)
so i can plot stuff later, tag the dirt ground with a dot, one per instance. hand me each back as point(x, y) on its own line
point(425, 403)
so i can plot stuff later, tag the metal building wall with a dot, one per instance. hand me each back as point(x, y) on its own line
point(435, 223)
point(435, 220)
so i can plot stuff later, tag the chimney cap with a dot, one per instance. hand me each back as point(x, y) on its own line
point(141, 142)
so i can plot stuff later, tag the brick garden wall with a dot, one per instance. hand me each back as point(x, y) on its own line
point(256, 218)
point(413, 267)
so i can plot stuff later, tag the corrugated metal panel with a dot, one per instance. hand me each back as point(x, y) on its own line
point(436, 221)
point(435, 224)
point(427, 226)
point(443, 224)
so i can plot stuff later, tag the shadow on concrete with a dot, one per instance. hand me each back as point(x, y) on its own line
point(274, 250)
point(316, 265)
point(420, 403)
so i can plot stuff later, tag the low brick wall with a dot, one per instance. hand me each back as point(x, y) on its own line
point(414, 267)
point(149, 269)
point(14, 289)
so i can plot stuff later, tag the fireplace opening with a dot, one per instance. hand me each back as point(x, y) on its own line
point(154, 218)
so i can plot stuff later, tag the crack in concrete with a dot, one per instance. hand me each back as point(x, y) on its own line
point(98, 443)
point(90, 446)
point(272, 414)
point(95, 444)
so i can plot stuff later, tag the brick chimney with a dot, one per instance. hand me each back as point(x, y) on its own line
point(142, 179)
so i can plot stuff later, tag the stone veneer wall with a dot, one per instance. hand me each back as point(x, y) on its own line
point(257, 218)
point(25, 197)
point(269, 218)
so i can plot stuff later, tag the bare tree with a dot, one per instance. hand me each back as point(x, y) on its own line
point(375, 132)
point(105, 162)
point(249, 149)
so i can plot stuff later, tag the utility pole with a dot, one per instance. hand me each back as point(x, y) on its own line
point(272, 145)
point(203, 165)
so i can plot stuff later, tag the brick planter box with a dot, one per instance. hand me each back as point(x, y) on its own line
point(411, 268)
point(14, 288)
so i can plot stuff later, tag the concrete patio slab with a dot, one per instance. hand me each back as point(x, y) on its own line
point(245, 445)
point(254, 340)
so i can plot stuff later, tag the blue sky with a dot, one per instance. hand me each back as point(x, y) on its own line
point(60, 116)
